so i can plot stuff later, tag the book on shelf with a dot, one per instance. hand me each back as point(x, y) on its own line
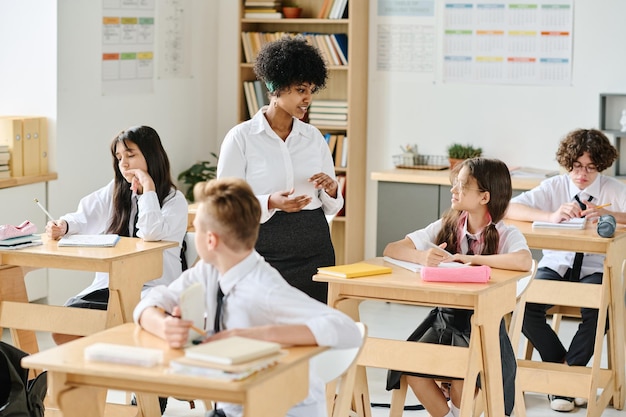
point(261, 93)
point(232, 350)
point(257, 15)
point(342, 181)
point(188, 366)
point(4, 167)
point(344, 153)
point(5, 174)
point(105, 240)
point(326, 122)
point(339, 150)
point(356, 270)
point(576, 223)
point(325, 9)
point(339, 9)
point(331, 139)
point(327, 110)
point(5, 156)
point(330, 103)
point(250, 95)
point(327, 116)
point(340, 43)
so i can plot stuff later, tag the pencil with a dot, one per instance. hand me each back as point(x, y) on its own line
point(194, 328)
point(603, 205)
point(44, 210)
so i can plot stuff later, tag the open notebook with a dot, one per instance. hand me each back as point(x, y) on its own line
point(89, 240)
point(417, 267)
point(575, 223)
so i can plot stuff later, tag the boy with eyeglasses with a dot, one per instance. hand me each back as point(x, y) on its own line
point(581, 192)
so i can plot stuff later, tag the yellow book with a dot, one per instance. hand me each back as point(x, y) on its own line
point(359, 269)
point(232, 350)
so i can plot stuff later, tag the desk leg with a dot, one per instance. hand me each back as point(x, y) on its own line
point(491, 379)
point(148, 405)
point(361, 397)
point(613, 269)
point(125, 288)
point(74, 401)
point(13, 288)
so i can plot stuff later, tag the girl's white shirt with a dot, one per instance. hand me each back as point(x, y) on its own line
point(155, 223)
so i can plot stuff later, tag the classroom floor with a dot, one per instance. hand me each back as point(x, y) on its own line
point(390, 321)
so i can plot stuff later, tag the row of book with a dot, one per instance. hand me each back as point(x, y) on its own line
point(26, 140)
point(329, 113)
point(256, 96)
point(333, 46)
point(338, 145)
point(333, 9)
point(261, 9)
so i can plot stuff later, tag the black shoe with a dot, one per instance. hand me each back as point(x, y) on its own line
point(162, 403)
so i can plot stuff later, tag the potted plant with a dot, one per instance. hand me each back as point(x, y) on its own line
point(200, 171)
point(291, 10)
point(457, 153)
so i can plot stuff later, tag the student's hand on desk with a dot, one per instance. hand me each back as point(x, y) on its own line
point(56, 229)
point(433, 256)
point(593, 213)
point(321, 181)
point(141, 181)
point(565, 212)
point(282, 200)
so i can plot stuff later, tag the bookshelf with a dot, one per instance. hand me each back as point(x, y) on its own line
point(611, 107)
point(345, 82)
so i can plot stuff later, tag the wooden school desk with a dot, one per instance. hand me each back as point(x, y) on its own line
point(490, 303)
point(79, 387)
point(588, 241)
point(130, 264)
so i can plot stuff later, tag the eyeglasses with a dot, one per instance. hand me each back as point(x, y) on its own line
point(462, 186)
point(577, 166)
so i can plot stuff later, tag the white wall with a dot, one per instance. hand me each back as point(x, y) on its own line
point(521, 125)
point(56, 73)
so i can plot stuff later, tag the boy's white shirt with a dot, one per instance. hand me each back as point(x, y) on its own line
point(255, 294)
point(552, 192)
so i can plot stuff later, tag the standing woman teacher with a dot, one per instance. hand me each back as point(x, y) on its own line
point(288, 165)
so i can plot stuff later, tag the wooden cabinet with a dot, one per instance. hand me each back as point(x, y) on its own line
point(346, 82)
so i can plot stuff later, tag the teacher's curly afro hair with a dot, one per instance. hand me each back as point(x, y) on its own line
point(288, 61)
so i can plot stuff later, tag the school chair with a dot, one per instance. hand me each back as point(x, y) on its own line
point(191, 251)
point(75, 321)
point(592, 382)
point(337, 368)
point(398, 396)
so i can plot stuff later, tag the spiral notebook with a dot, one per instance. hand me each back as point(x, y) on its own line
point(89, 240)
point(575, 223)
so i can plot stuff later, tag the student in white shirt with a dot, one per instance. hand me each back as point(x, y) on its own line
point(288, 165)
point(141, 201)
point(257, 302)
point(472, 231)
point(584, 154)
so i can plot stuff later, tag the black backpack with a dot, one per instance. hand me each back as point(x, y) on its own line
point(19, 397)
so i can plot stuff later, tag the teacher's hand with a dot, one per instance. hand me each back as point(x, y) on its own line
point(326, 183)
point(282, 200)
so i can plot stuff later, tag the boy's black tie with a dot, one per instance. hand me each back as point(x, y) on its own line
point(578, 258)
point(218, 309)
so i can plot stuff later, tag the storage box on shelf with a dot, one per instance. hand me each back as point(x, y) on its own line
point(344, 43)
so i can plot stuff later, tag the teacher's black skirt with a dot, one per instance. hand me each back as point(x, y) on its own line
point(296, 244)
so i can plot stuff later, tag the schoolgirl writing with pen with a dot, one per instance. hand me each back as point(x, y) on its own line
point(472, 231)
point(141, 201)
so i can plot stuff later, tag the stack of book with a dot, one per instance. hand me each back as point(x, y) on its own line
point(262, 9)
point(329, 113)
point(5, 157)
point(232, 359)
point(333, 46)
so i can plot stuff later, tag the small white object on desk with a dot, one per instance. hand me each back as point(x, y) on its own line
point(127, 355)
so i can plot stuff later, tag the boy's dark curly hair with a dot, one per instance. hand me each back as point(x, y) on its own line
point(289, 61)
point(579, 141)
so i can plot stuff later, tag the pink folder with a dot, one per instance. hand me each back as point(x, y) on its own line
point(471, 274)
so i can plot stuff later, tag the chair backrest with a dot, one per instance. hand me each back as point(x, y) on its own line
point(191, 252)
point(339, 365)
